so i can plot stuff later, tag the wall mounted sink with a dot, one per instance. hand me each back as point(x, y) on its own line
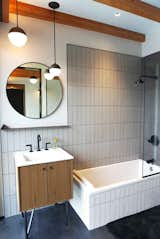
point(26, 158)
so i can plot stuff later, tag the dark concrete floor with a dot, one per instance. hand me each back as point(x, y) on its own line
point(49, 223)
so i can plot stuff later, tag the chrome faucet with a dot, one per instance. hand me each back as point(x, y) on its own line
point(38, 142)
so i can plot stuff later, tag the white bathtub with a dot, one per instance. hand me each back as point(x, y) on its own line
point(105, 194)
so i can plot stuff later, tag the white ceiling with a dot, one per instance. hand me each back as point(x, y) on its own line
point(102, 13)
point(155, 3)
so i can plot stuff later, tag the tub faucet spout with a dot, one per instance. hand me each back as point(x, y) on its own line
point(150, 161)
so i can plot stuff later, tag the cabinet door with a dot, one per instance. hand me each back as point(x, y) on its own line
point(32, 186)
point(40, 185)
point(63, 180)
point(51, 186)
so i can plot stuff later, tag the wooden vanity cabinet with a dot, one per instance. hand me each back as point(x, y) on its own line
point(44, 184)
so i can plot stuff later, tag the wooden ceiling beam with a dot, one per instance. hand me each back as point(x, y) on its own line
point(5, 11)
point(136, 7)
point(66, 19)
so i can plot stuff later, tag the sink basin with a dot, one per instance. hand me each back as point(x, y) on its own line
point(40, 155)
point(26, 158)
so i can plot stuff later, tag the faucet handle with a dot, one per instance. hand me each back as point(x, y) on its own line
point(46, 145)
point(150, 161)
point(30, 145)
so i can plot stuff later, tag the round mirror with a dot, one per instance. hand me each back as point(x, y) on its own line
point(33, 92)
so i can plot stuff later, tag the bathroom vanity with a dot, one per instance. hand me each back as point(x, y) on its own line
point(43, 178)
point(44, 184)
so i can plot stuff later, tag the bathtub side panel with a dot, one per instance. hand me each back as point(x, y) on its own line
point(80, 202)
point(120, 202)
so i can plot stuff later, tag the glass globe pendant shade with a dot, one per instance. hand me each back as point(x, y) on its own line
point(55, 70)
point(48, 75)
point(17, 36)
point(33, 80)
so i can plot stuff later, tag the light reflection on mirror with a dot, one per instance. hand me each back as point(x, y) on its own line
point(30, 94)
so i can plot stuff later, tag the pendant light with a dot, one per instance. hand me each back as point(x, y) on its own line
point(55, 69)
point(33, 80)
point(48, 75)
point(16, 35)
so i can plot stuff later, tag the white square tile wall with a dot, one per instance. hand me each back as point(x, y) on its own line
point(105, 116)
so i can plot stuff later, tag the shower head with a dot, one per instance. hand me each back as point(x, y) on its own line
point(142, 79)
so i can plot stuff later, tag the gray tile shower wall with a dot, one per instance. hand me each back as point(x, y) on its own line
point(105, 116)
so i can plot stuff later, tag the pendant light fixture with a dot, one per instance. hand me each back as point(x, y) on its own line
point(55, 69)
point(16, 35)
point(33, 80)
point(48, 75)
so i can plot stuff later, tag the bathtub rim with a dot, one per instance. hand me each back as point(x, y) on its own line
point(108, 165)
point(90, 189)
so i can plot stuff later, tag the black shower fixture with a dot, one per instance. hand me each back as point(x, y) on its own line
point(154, 140)
point(139, 81)
point(150, 161)
point(142, 79)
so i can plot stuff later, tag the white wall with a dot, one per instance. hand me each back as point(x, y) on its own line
point(11, 57)
point(152, 43)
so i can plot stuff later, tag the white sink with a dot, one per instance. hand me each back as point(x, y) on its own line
point(40, 155)
point(26, 158)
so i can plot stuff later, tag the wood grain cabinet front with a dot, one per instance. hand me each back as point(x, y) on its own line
point(44, 184)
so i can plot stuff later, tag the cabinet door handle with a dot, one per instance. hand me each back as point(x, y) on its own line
point(51, 167)
point(44, 169)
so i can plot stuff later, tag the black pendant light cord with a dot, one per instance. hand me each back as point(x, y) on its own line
point(54, 6)
point(54, 37)
point(17, 12)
